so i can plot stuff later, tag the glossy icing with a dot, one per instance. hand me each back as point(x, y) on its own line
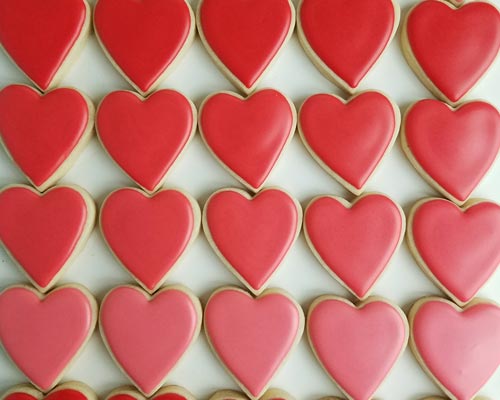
point(143, 38)
point(469, 41)
point(40, 132)
point(248, 135)
point(39, 41)
point(356, 346)
point(145, 136)
point(356, 242)
point(68, 390)
point(66, 394)
point(349, 138)
point(454, 147)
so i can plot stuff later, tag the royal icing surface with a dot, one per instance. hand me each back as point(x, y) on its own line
point(64, 394)
point(163, 396)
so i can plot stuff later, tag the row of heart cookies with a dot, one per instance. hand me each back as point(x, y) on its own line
point(145, 39)
point(357, 345)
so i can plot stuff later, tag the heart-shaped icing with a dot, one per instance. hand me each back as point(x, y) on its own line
point(148, 234)
point(469, 41)
point(144, 39)
point(458, 348)
point(66, 391)
point(42, 334)
point(41, 37)
point(452, 148)
point(458, 248)
point(271, 394)
point(252, 235)
point(165, 393)
point(252, 336)
point(146, 335)
point(329, 31)
point(354, 242)
point(43, 233)
point(146, 136)
point(244, 37)
point(357, 346)
point(349, 138)
point(248, 135)
point(43, 134)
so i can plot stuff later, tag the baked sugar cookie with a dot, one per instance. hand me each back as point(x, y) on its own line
point(67, 391)
point(252, 337)
point(329, 31)
point(459, 348)
point(469, 42)
point(43, 233)
point(271, 394)
point(144, 39)
point(444, 398)
point(244, 37)
point(165, 393)
point(42, 334)
point(44, 134)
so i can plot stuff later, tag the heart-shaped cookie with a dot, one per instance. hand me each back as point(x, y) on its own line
point(469, 42)
point(66, 391)
point(357, 345)
point(329, 31)
point(247, 136)
point(252, 235)
point(349, 138)
point(252, 336)
point(165, 393)
point(144, 39)
point(458, 348)
point(42, 334)
point(149, 234)
point(452, 148)
point(271, 394)
point(44, 134)
point(354, 241)
point(42, 37)
point(147, 335)
point(43, 233)
point(145, 136)
point(244, 37)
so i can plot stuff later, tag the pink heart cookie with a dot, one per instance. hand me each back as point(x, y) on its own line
point(165, 393)
point(66, 391)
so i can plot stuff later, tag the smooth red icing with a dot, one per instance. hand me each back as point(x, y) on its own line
point(349, 138)
point(248, 135)
point(355, 243)
point(143, 37)
point(461, 349)
point(164, 396)
point(253, 235)
point(38, 35)
point(147, 234)
point(332, 29)
point(357, 347)
point(145, 137)
point(64, 394)
point(20, 396)
point(41, 131)
point(42, 336)
point(41, 231)
point(251, 336)
point(469, 41)
point(455, 148)
point(246, 35)
point(461, 249)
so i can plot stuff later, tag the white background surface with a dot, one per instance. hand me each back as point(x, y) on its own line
point(199, 174)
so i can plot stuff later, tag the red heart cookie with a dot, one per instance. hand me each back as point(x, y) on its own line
point(354, 242)
point(42, 37)
point(357, 345)
point(148, 234)
point(248, 135)
point(452, 148)
point(458, 348)
point(469, 41)
point(349, 138)
point(66, 391)
point(244, 37)
point(458, 248)
point(271, 394)
point(147, 335)
point(44, 134)
point(144, 39)
point(165, 393)
point(44, 232)
point(252, 337)
point(252, 235)
point(329, 31)
point(42, 334)
point(146, 136)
